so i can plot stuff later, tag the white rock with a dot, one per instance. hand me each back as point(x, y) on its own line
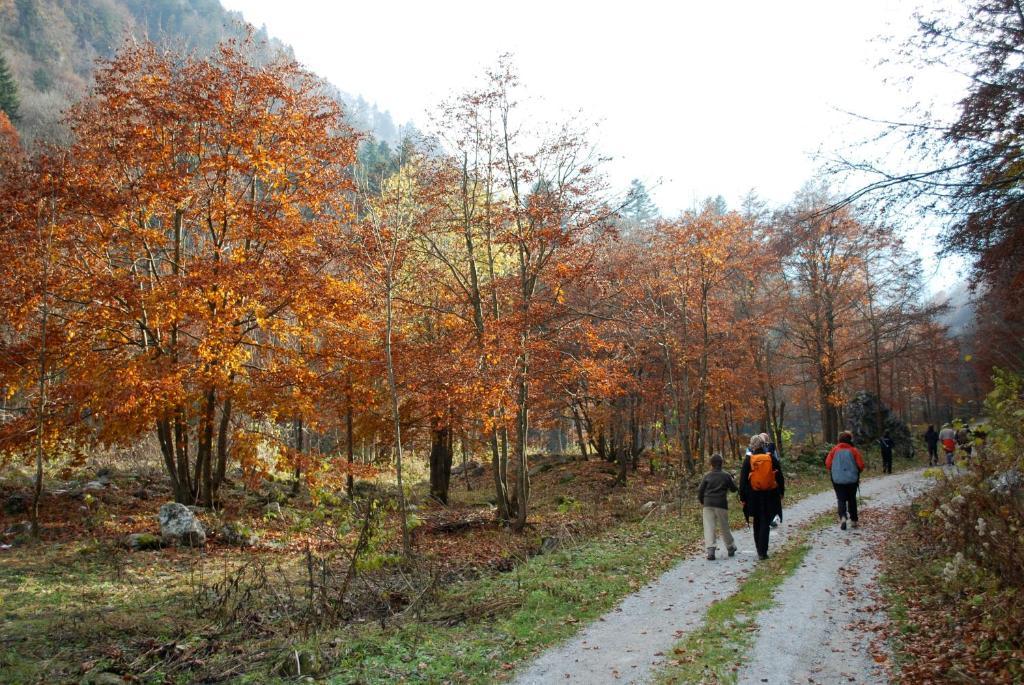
point(179, 526)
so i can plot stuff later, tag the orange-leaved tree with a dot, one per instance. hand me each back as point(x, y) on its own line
point(208, 196)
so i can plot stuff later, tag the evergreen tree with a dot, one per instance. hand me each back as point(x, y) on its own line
point(639, 208)
point(8, 91)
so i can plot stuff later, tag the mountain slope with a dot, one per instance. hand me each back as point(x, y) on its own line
point(51, 47)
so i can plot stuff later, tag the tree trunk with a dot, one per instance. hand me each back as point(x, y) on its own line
point(440, 462)
point(396, 419)
point(222, 444)
point(578, 423)
point(464, 441)
point(349, 479)
point(499, 469)
point(37, 490)
point(522, 497)
point(298, 433)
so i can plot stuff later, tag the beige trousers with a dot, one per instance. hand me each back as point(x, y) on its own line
point(713, 516)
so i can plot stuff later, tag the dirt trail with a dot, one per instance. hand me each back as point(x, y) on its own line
point(626, 644)
point(817, 632)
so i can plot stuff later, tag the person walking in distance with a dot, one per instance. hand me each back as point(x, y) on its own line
point(713, 495)
point(886, 444)
point(762, 487)
point(931, 438)
point(844, 465)
point(947, 436)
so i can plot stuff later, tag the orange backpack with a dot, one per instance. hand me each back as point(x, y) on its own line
point(762, 475)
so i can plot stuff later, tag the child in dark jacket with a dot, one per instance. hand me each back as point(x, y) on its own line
point(712, 493)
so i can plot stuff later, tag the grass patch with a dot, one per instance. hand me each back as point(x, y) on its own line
point(715, 652)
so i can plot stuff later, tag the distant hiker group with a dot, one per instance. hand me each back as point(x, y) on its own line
point(952, 439)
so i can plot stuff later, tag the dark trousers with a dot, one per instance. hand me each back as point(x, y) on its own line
point(846, 497)
point(762, 526)
point(933, 455)
point(887, 463)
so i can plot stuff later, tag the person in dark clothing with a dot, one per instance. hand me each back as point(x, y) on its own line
point(713, 495)
point(931, 438)
point(844, 465)
point(762, 487)
point(887, 444)
point(965, 441)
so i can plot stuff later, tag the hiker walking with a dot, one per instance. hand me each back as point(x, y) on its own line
point(886, 444)
point(713, 495)
point(762, 487)
point(844, 465)
point(947, 436)
point(965, 441)
point(931, 438)
point(770, 448)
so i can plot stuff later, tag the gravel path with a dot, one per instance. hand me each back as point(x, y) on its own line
point(816, 632)
point(626, 644)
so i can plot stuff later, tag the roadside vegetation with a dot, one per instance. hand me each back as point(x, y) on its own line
point(954, 578)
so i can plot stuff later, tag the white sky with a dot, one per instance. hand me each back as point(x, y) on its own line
point(694, 98)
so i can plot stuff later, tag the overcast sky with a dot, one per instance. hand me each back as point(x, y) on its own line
point(693, 98)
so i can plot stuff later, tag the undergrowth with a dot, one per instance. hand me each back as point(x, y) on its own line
point(954, 579)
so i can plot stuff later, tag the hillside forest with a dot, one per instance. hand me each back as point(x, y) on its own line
point(219, 275)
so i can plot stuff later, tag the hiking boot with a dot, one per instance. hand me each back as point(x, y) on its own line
point(842, 525)
point(853, 524)
point(762, 557)
point(775, 521)
point(732, 550)
point(711, 553)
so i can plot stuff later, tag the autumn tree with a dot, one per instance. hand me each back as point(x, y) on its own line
point(209, 196)
point(31, 345)
point(823, 263)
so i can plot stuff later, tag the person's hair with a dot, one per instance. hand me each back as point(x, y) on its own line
point(716, 460)
point(847, 437)
point(756, 443)
point(767, 438)
point(886, 434)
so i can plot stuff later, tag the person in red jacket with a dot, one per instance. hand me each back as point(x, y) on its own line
point(844, 465)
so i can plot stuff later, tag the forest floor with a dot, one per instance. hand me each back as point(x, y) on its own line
point(78, 607)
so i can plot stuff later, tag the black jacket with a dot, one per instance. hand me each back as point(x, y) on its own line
point(762, 502)
point(715, 488)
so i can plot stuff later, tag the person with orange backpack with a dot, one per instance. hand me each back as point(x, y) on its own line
point(844, 465)
point(762, 487)
point(947, 436)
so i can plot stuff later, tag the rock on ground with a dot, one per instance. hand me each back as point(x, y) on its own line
point(179, 526)
point(138, 542)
